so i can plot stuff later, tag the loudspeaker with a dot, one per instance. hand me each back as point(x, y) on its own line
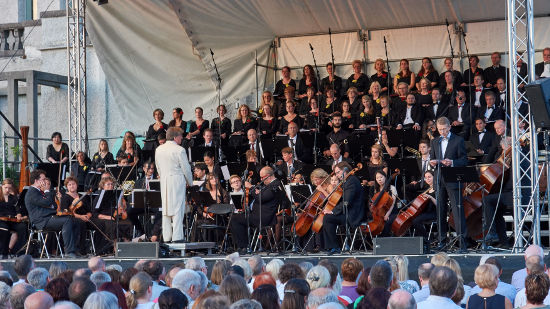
point(143, 250)
point(538, 94)
point(398, 245)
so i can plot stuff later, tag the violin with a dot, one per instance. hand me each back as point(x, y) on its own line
point(381, 202)
point(77, 202)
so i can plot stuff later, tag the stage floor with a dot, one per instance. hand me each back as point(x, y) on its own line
point(468, 262)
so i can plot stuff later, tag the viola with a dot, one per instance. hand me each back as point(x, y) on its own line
point(404, 219)
point(12, 219)
point(381, 202)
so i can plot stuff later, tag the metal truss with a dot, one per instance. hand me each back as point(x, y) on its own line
point(524, 158)
point(76, 89)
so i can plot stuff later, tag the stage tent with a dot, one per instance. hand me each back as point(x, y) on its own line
point(157, 53)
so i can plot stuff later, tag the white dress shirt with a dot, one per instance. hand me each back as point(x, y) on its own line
point(460, 113)
point(408, 117)
point(546, 72)
point(437, 302)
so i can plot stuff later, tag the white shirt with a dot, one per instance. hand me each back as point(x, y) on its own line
point(437, 302)
point(19, 282)
point(435, 106)
point(422, 294)
point(478, 96)
point(481, 135)
point(489, 111)
point(546, 72)
point(518, 279)
point(337, 161)
point(408, 117)
point(444, 143)
point(460, 112)
point(157, 289)
point(148, 305)
point(503, 96)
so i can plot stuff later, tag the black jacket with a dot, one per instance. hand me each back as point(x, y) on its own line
point(271, 196)
point(41, 207)
point(417, 114)
point(456, 151)
point(442, 111)
point(486, 141)
point(354, 197)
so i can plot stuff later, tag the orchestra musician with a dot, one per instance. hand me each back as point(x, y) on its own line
point(218, 195)
point(211, 165)
point(376, 163)
point(82, 214)
point(175, 174)
point(381, 77)
point(399, 102)
point(448, 150)
point(103, 156)
point(57, 151)
point(411, 116)
point(13, 228)
point(286, 168)
point(209, 141)
point(353, 198)
point(358, 79)
point(80, 169)
point(40, 204)
point(381, 178)
point(199, 174)
point(336, 156)
point(496, 147)
point(268, 197)
point(253, 143)
point(331, 81)
point(429, 213)
point(477, 93)
point(423, 166)
point(133, 213)
point(244, 121)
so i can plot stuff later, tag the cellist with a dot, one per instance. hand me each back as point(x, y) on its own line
point(392, 212)
point(429, 213)
point(353, 198)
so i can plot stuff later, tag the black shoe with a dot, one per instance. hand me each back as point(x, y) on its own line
point(334, 251)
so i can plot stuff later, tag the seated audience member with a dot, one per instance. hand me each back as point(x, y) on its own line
point(295, 294)
point(424, 272)
point(534, 265)
point(39, 300)
point(401, 299)
point(19, 293)
point(266, 295)
point(100, 277)
point(103, 299)
point(486, 277)
point(443, 283)
point(321, 296)
point(80, 289)
point(350, 268)
point(536, 290)
point(155, 270)
point(141, 289)
point(518, 277)
point(58, 288)
point(38, 278)
point(172, 299)
point(22, 266)
point(235, 288)
point(502, 288)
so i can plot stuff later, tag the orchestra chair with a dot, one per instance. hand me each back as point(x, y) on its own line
point(267, 231)
point(91, 234)
point(431, 223)
point(42, 237)
point(358, 231)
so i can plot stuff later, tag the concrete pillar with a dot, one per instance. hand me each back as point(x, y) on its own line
point(13, 113)
point(32, 108)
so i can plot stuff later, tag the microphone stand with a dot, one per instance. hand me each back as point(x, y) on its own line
point(439, 156)
point(469, 76)
point(450, 43)
point(387, 65)
point(332, 58)
point(318, 101)
point(219, 79)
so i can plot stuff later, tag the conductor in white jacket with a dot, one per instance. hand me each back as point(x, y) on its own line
point(175, 173)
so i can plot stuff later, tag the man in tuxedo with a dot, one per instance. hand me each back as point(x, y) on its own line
point(336, 156)
point(411, 116)
point(448, 151)
point(490, 112)
point(521, 68)
point(438, 108)
point(296, 143)
point(353, 199)
point(40, 203)
point(542, 69)
point(495, 71)
point(253, 143)
point(503, 97)
point(482, 139)
point(476, 96)
point(495, 150)
point(289, 166)
point(266, 201)
point(460, 116)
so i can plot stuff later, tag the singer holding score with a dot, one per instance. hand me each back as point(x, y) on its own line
point(448, 150)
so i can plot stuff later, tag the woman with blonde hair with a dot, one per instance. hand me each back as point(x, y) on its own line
point(402, 263)
point(358, 79)
point(141, 289)
point(486, 277)
point(381, 76)
point(462, 290)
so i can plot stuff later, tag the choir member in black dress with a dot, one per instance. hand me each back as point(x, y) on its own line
point(103, 156)
point(329, 103)
point(348, 119)
point(152, 134)
point(212, 166)
point(225, 129)
point(331, 81)
point(427, 71)
point(106, 213)
point(82, 213)
point(381, 77)
point(424, 96)
point(354, 99)
point(495, 71)
point(367, 115)
point(267, 125)
point(267, 99)
point(313, 119)
point(177, 119)
point(290, 116)
point(13, 234)
point(244, 121)
point(448, 87)
point(399, 102)
point(375, 92)
point(303, 107)
point(196, 130)
point(80, 169)
point(457, 76)
point(472, 72)
point(388, 118)
point(404, 75)
point(308, 80)
point(358, 79)
point(376, 163)
point(57, 151)
point(289, 96)
point(130, 149)
point(284, 83)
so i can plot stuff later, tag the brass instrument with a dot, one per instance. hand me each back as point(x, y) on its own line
point(415, 152)
point(379, 128)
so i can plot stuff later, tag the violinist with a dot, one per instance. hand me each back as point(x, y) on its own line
point(82, 213)
point(103, 156)
point(269, 196)
point(353, 198)
point(13, 230)
point(429, 213)
point(107, 212)
point(381, 178)
point(39, 201)
point(218, 195)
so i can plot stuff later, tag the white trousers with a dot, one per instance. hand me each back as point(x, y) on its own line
point(172, 226)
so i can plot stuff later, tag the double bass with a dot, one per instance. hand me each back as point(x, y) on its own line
point(312, 209)
point(381, 202)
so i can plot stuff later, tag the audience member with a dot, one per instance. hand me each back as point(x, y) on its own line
point(290, 271)
point(139, 295)
point(401, 299)
point(100, 277)
point(518, 277)
point(443, 283)
point(534, 265)
point(189, 282)
point(5, 291)
point(64, 304)
point(235, 288)
point(486, 277)
point(125, 277)
point(503, 288)
point(376, 298)
point(321, 296)
point(82, 273)
point(219, 271)
point(22, 266)
point(380, 275)
point(295, 294)
point(19, 293)
point(246, 304)
point(172, 299)
point(351, 268)
point(58, 288)
point(266, 295)
point(274, 267)
point(318, 277)
point(101, 300)
point(80, 289)
point(424, 272)
point(57, 268)
point(96, 264)
point(264, 278)
point(39, 300)
point(116, 289)
point(155, 270)
point(257, 266)
point(536, 290)
point(38, 278)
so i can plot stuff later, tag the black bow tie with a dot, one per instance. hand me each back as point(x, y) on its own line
point(488, 108)
point(480, 132)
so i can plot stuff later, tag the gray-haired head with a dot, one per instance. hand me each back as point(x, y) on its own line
point(318, 277)
point(82, 273)
point(246, 304)
point(381, 274)
point(96, 263)
point(38, 278)
point(115, 267)
point(257, 264)
point(246, 268)
point(321, 296)
point(401, 299)
point(23, 265)
point(188, 281)
point(19, 293)
point(100, 277)
point(65, 304)
point(4, 295)
point(101, 300)
point(331, 305)
point(56, 268)
point(195, 263)
point(204, 281)
point(425, 270)
point(306, 266)
point(39, 300)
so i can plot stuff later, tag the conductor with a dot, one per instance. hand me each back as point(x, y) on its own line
point(175, 173)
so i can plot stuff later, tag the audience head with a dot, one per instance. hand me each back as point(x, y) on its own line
point(188, 281)
point(116, 289)
point(295, 294)
point(5, 291)
point(141, 287)
point(101, 300)
point(172, 299)
point(236, 270)
point(38, 278)
point(381, 275)
point(58, 288)
point(351, 267)
point(64, 304)
point(246, 268)
point(536, 288)
point(331, 305)
point(125, 277)
point(375, 298)
point(196, 263)
point(496, 262)
point(235, 288)
point(100, 277)
point(39, 300)
point(80, 289)
point(290, 271)
point(273, 267)
point(19, 293)
point(96, 263)
point(443, 282)
point(257, 264)
point(318, 277)
point(154, 269)
point(82, 273)
point(439, 259)
point(534, 264)
point(486, 276)
point(266, 295)
point(57, 268)
point(363, 284)
point(424, 271)
point(5, 277)
point(219, 271)
point(534, 250)
point(263, 278)
point(23, 265)
point(306, 266)
point(321, 296)
point(204, 281)
point(401, 299)
point(246, 304)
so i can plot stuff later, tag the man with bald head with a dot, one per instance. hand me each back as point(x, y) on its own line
point(518, 278)
point(39, 300)
point(401, 299)
point(269, 196)
point(96, 264)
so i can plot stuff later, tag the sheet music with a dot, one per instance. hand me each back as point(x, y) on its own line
point(225, 172)
point(100, 199)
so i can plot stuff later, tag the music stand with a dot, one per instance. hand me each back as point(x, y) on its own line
point(299, 193)
point(268, 148)
point(154, 185)
point(237, 199)
point(363, 174)
point(279, 142)
point(407, 166)
point(462, 174)
point(121, 173)
point(143, 199)
point(231, 153)
point(92, 179)
point(197, 153)
point(236, 168)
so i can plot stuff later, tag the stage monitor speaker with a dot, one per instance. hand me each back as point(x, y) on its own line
point(142, 250)
point(398, 245)
point(538, 94)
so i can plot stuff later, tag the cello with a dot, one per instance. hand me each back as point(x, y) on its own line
point(404, 219)
point(381, 203)
point(332, 200)
point(313, 207)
